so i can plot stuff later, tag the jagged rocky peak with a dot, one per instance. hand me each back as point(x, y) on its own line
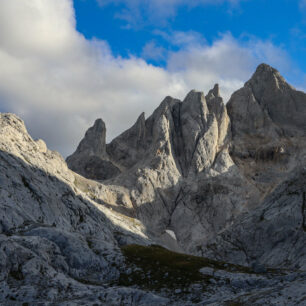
point(217, 107)
point(11, 120)
point(268, 127)
point(268, 105)
point(125, 150)
point(161, 157)
point(176, 127)
point(214, 92)
point(214, 100)
point(200, 131)
point(194, 106)
point(267, 77)
point(14, 128)
point(258, 124)
point(90, 158)
point(94, 141)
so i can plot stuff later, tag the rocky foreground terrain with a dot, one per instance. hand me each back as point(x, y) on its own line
point(201, 203)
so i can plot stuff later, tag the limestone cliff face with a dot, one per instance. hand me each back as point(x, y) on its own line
point(181, 126)
point(273, 234)
point(268, 127)
point(269, 147)
point(195, 166)
point(176, 171)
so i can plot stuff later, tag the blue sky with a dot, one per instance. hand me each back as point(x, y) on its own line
point(65, 63)
point(129, 26)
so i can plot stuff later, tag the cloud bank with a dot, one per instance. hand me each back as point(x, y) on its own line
point(59, 82)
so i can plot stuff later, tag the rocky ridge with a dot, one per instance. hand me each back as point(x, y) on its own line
point(196, 165)
point(225, 182)
point(175, 167)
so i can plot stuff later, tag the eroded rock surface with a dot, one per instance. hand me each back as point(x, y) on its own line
point(55, 243)
point(273, 234)
point(195, 166)
point(177, 173)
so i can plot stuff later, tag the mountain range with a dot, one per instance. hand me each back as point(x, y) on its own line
point(201, 203)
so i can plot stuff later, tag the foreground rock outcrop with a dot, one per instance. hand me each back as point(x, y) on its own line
point(55, 243)
point(223, 182)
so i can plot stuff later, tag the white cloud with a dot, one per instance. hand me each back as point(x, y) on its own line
point(59, 82)
point(152, 51)
point(182, 39)
point(227, 61)
point(302, 4)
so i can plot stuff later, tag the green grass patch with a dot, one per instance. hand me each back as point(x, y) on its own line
point(154, 267)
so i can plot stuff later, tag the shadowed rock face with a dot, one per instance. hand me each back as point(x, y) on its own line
point(94, 141)
point(267, 106)
point(273, 234)
point(268, 128)
point(90, 158)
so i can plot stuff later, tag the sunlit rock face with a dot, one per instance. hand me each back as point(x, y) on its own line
point(194, 166)
point(176, 170)
point(224, 182)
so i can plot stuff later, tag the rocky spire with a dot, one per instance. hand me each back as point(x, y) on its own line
point(214, 101)
point(195, 108)
point(265, 72)
point(214, 93)
point(94, 141)
point(267, 78)
point(266, 100)
point(217, 107)
point(90, 158)
point(267, 116)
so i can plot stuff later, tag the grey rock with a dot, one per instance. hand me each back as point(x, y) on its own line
point(94, 142)
point(258, 268)
point(179, 155)
point(191, 161)
point(207, 271)
point(268, 128)
point(273, 234)
point(56, 244)
point(90, 158)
